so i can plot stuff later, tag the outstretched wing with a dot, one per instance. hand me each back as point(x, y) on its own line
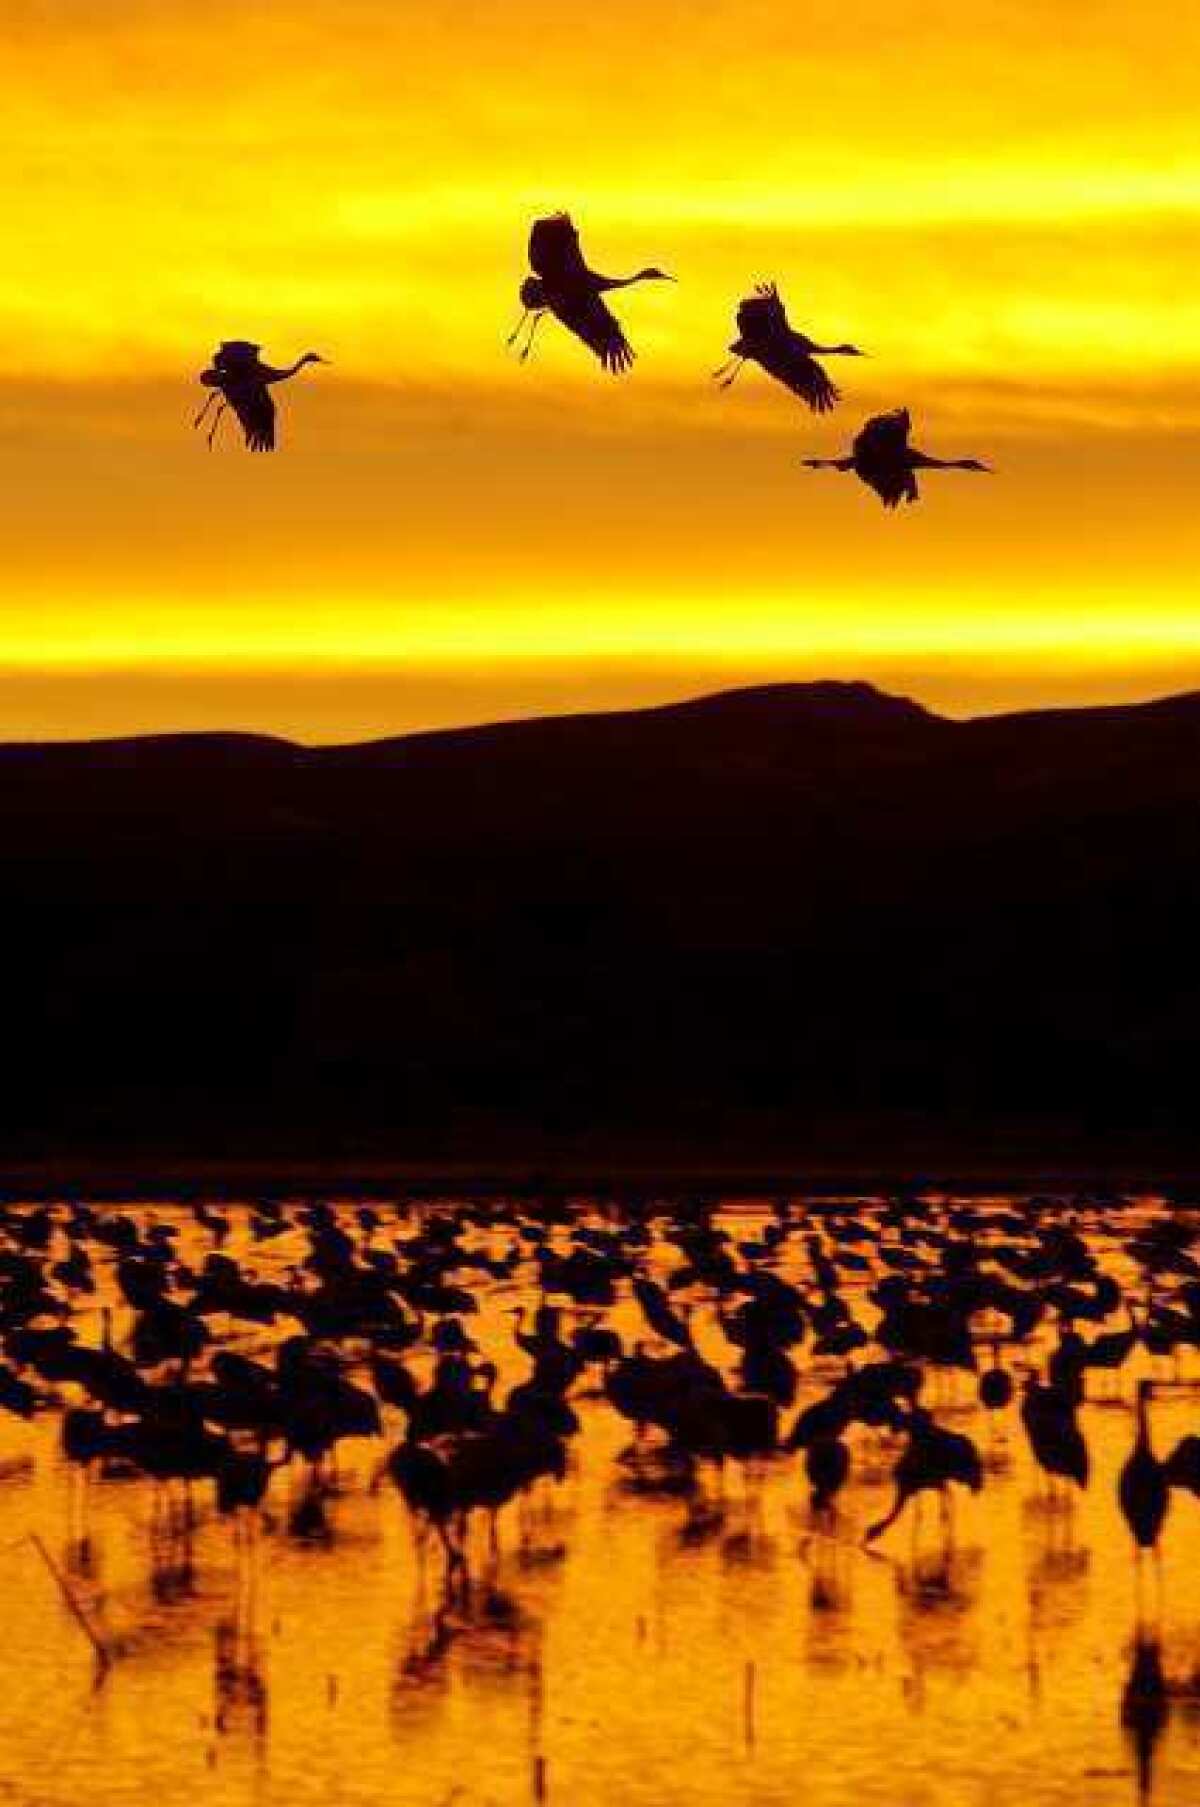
point(881, 458)
point(554, 252)
point(590, 320)
point(884, 436)
point(793, 367)
point(892, 486)
point(256, 411)
point(762, 314)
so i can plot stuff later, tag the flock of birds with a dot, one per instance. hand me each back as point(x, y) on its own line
point(809, 1337)
point(564, 286)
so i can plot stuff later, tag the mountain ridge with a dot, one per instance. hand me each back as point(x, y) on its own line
point(736, 920)
point(821, 702)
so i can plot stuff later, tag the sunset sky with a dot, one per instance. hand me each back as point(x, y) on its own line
point(999, 199)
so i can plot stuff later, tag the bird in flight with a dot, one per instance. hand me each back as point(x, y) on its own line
point(241, 381)
point(766, 338)
point(884, 460)
point(563, 285)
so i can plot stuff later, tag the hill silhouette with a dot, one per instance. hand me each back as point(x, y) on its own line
point(800, 922)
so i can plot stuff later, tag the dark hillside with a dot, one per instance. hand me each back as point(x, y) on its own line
point(790, 917)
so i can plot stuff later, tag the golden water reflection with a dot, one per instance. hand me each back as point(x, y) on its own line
point(622, 1645)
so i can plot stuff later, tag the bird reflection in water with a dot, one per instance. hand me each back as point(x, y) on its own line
point(241, 1697)
point(1057, 1578)
point(479, 1628)
point(172, 1550)
point(937, 1600)
point(1145, 1706)
point(829, 1566)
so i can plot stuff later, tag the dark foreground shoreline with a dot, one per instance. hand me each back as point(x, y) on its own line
point(628, 1173)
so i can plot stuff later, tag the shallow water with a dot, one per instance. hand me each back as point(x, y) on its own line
point(620, 1648)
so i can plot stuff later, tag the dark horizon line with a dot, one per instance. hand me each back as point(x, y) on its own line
point(846, 691)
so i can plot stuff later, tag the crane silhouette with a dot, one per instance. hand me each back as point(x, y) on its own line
point(1049, 1416)
point(882, 458)
point(238, 376)
point(1143, 1489)
point(563, 285)
point(765, 337)
point(933, 1458)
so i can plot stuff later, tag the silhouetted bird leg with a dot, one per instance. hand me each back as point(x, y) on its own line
point(213, 395)
point(1139, 1590)
point(515, 334)
point(727, 375)
point(528, 346)
point(212, 432)
point(453, 1554)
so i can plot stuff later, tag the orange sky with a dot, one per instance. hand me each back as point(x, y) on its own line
point(999, 199)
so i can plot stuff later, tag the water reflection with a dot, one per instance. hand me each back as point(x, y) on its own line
point(656, 1620)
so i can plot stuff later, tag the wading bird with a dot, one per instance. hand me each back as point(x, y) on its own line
point(932, 1460)
point(882, 458)
point(563, 285)
point(766, 338)
point(238, 376)
point(1049, 1416)
point(1143, 1490)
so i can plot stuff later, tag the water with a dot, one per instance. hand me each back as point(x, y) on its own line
point(621, 1647)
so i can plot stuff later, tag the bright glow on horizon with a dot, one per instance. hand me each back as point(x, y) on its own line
point(1000, 202)
point(780, 629)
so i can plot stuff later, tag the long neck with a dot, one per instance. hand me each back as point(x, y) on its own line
point(1143, 1419)
point(622, 282)
point(280, 376)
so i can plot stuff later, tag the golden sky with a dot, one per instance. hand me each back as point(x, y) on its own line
point(999, 199)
